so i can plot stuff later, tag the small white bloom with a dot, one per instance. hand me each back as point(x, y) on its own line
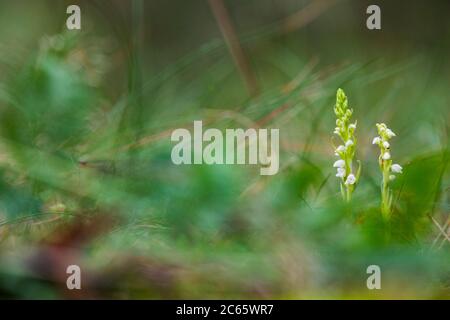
point(386, 156)
point(340, 173)
point(349, 143)
point(336, 130)
point(351, 179)
point(376, 140)
point(396, 168)
point(339, 164)
point(352, 126)
point(390, 133)
point(391, 177)
point(341, 148)
point(386, 144)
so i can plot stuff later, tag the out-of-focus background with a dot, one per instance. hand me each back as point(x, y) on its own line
point(86, 176)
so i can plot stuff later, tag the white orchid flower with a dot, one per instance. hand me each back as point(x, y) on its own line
point(339, 164)
point(376, 140)
point(351, 179)
point(396, 168)
point(386, 144)
point(349, 143)
point(386, 156)
point(340, 173)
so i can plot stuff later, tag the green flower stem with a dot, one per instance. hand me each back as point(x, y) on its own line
point(349, 193)
point(385, 202)
point(349, 189)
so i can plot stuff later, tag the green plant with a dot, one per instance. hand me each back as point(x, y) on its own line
point(387, 168)
point(346, 151)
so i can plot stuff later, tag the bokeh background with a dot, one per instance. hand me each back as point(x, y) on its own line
point(86, 176)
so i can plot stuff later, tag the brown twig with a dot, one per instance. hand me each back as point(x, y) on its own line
point(307, 15)
point(226, 27)
point(442, 230)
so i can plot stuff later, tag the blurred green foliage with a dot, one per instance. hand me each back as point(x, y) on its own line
point(85, 123)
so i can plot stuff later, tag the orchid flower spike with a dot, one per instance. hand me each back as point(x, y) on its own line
point(387, 168)
point(345, 130)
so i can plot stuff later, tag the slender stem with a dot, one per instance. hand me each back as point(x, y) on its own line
point(349, 193)
point(385, 206)
point(348, 169)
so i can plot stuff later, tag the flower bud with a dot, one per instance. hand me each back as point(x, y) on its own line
point(390, 133)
